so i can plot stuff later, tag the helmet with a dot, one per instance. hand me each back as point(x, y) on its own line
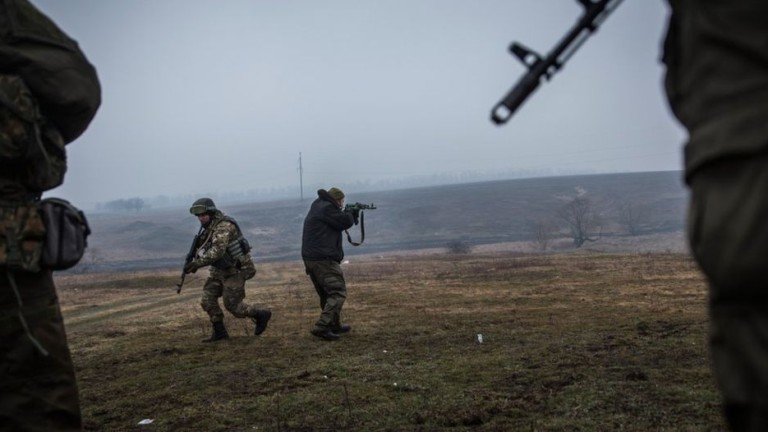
point(201, 206)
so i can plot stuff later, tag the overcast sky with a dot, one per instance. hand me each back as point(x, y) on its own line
point(209, 96)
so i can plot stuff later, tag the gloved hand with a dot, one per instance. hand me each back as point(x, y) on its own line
point(190, 267)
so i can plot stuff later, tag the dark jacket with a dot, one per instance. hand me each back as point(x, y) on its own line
point(321, 239)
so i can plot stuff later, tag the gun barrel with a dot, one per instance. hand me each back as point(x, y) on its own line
point(504, 110)
point(595, 12)
point(360, 206)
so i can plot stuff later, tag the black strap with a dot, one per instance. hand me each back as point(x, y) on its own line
point(22, 320)
point(362, 232)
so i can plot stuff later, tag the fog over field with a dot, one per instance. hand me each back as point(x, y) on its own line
point(624, 212)
point(209, 97)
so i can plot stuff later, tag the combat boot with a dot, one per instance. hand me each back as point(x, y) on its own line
point(261, 319)
point(339, 328)
point(219, 332)
point(342, 328)
point(324, 333)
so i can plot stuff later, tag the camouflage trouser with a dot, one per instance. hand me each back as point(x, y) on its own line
point(328, 280)
point(232, 289)
point(37, 392)
point(728, 232)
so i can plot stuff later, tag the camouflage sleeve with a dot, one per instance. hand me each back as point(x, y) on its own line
point(220, 238)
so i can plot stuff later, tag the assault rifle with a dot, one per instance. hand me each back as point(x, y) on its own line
point(358, 207)
point(187, 260)
point(595, 12)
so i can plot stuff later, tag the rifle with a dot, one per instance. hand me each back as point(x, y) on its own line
point(359, 207)
point(595, 12)
point(187, 260)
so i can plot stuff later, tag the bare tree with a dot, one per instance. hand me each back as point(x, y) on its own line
point(630, 217)
point(543, 232)
point(125, 205)
point(583, 221)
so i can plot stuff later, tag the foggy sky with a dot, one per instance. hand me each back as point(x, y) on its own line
point(210, 96)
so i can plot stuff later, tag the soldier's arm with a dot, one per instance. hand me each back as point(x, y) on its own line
point(221, 236)
point(337, 218)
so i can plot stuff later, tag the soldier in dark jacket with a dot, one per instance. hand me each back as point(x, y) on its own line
point(322, 253)
point(716, 54)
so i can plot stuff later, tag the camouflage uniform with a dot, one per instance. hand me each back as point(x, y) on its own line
point(227, 276)
point(716, 52)
point(39, 114)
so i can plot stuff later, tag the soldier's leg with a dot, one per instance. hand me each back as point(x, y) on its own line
point(37, 392)
point(212, 290)
point(728, 233)
point(331, 280)
point(234, 296)
point(318, 286)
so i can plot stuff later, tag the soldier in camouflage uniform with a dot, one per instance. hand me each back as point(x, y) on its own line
point(220, 245)
point(49, 93)
point(716, 52)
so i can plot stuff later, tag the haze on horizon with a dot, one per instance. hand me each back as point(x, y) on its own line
point(210, 97)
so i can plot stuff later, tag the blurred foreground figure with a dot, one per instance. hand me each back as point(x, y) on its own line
point(221, 245)
point(49, 93)
point(716, 53)
point(322, 252)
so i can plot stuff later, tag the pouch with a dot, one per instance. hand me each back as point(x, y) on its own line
point(22, 233)
point(66, 236)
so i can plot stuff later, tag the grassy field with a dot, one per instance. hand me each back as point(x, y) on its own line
point(575, 342)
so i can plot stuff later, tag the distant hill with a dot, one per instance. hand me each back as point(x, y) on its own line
point(475, 214)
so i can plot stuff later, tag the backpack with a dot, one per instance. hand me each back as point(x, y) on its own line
point(51, 64)
point(49, 93)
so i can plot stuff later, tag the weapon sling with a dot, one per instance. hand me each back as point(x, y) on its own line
point(362, 231)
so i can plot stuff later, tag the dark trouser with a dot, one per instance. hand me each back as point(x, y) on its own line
point(37, 392)
point(716, 52)
point(328, 280)
point(728, 232)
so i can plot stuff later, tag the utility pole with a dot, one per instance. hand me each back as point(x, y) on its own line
point(301, 180)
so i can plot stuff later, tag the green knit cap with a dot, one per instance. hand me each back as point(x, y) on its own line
point(336, 193)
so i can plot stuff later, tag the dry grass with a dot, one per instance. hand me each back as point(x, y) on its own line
point(584, 341)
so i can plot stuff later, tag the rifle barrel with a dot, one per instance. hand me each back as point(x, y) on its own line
point(594, 14)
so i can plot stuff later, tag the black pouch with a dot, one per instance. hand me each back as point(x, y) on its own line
point(66, 236)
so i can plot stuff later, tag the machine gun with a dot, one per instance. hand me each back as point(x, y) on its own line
point(595, 12)
point(357, 208)
point(190, 256)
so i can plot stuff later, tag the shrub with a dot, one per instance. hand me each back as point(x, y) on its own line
point(458, 247)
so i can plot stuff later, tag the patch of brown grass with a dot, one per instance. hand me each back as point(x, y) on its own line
point(587, 341)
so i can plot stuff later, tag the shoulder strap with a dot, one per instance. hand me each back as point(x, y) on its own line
point(233, 222)
point(362, 231)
